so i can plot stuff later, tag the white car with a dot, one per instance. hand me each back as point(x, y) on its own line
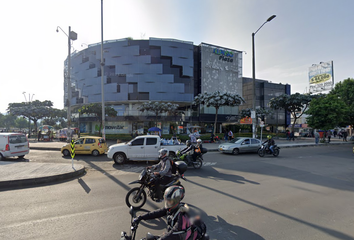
point(141, 148)
point(13, 145)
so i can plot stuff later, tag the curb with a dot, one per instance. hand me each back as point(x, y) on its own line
point(21, 183)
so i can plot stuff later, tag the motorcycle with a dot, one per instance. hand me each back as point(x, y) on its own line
point(198, 163)
point(136, 197)
point(149, 236)
point(263, 150)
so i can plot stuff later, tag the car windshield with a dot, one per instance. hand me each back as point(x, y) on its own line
point(237, 140)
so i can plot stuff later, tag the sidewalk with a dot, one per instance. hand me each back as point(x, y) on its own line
point(15, 174)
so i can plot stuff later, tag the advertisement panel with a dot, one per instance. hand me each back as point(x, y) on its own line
point(246, 120)
point(321, 77)
point(221, 69)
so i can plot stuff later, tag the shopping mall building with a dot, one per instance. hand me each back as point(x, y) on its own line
point(167, 70)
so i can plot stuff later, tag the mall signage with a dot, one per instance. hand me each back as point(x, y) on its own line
point(226, 56)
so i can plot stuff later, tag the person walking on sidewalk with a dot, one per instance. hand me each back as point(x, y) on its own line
point(345, 135)
point(317, 137)
point(328, 135)
point(292, 136)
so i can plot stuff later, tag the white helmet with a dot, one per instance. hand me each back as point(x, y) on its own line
point(163, 152)
point(199, 141)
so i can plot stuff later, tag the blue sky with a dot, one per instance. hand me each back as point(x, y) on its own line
point(305, 32)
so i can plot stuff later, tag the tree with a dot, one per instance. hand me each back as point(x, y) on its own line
point(35, 110)
point(157, 108)
point(96, 110)
point(296, 104)
point(216, 100)
point(21, 122)
point(8, 121)
point(327, 112)
point(55, 116)
point(345, 91)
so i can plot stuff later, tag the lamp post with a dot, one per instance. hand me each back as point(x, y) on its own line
point(72, 36)
point(29, 103)
point(102, 76)
point(254, 76)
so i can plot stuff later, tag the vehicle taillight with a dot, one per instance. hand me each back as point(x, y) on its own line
point(7, 148)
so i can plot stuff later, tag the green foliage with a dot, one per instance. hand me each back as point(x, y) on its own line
point(296, 104)
point(327, 112)
point(345, 91)
point(216, 100)
point(158, 107)
point(21, 122)
point(34, 110)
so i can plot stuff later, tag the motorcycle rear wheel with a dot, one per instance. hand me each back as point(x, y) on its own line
point(198, 163)
point(261, 152)
point(276, 152)
point(132, 200)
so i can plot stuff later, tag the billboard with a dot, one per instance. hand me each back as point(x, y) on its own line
point(221, 69)
point(321, 77)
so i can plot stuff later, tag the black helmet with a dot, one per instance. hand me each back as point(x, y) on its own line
point(188, 143)
point(173, 196)
point(163, 152)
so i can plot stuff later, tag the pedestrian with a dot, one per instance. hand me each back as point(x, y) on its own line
point(345, 135)
point(39, 135)
point(292, 136)
point(231, 135)
point(329, 134)
point(225, 135)
point(334, 133)
point(287, 135)
point(212, 137)
point(317, 137)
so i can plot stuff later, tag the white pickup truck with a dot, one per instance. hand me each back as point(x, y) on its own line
point(141, 148)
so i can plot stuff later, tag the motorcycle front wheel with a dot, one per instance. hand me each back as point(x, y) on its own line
point(276, 152)
point(132, 198)
point(198, 163)
point(261, 152)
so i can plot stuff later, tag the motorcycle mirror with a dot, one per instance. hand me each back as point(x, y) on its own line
point(131, 211)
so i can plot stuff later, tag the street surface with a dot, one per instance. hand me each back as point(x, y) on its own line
point(305, 193)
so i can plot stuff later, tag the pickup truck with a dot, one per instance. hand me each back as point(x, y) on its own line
point(141, 148)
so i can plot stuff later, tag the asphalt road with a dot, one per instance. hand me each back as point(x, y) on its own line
point(305, 193)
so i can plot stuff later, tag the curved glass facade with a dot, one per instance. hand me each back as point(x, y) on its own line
point(134, 71)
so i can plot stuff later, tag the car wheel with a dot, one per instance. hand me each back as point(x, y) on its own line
point(22, 156)
point(235, 151)
point(66, 153)
point(95, 153)
point(119, 158)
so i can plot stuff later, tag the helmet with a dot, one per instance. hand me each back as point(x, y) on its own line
point(163, 152)
point(199, 141)
point(269, 136)
point(188, 143)
point(173, 196)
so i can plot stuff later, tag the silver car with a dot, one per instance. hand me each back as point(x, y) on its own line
point(241, 144)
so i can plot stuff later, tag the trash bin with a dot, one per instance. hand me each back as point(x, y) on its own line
point(321, 133)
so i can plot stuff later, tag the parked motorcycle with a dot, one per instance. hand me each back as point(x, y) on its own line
point(136, 197)
point(263, 150)
point(198, 163)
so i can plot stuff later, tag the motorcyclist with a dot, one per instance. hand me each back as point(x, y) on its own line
point(175, 211)
point(198, 149)
point(270, 143)
point(189, 148)
point(164, 173)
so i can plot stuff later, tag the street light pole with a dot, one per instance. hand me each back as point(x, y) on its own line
point(72, 36)
point(102, 76)
point(254, 77)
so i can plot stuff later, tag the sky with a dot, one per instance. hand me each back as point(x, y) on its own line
point(304, 32)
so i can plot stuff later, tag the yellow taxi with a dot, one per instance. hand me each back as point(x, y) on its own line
point(86, 145)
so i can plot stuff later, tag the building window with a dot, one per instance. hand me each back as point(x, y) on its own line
point(118, 88)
